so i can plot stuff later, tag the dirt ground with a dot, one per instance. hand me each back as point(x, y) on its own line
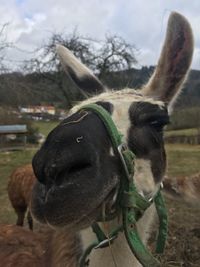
point(183, 243)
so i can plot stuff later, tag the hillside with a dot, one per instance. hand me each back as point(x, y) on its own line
point(17, 89)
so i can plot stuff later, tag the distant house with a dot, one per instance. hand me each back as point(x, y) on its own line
point(13, 137)
point(45, 109)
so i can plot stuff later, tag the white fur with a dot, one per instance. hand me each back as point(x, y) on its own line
point(143, 179)
point(119, 250)
point(66, 55)
point(121, 101)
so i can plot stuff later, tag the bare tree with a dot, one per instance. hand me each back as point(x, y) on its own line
point(115, 54)
point(4, 44)
point(47, 64)
point(112, 54)
point(5, 82)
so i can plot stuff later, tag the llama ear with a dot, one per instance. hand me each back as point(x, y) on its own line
point(78, 72)
point(174, 61)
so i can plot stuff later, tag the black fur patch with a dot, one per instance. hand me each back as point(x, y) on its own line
point(145, 135)
point(144, 113)
point(106, 105)
point(89, 84)
point(74, 169)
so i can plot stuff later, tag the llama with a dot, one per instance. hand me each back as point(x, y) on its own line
point(20, 186)
point(78, 171)
point(20, 247)
point(184, 187)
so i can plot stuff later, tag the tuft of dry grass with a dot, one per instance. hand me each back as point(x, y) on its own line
point(183, 243)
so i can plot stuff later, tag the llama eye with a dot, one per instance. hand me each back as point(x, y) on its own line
point(159, 123)
point(154, 120)
point(107, 105)
point(147, 114)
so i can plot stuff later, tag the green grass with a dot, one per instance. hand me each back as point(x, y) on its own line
point(183, 159)
point(186, 132)
point(45, 127)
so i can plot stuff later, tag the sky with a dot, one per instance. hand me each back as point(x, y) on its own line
point(139, 22)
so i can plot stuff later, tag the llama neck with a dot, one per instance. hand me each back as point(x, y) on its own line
point(118, 254)
point(63, 248)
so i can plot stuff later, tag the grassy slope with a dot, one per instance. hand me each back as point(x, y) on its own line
point(45, 127)
point(183, 159)
point(186, 132)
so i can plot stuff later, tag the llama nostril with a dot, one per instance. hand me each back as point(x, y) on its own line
point(50, 172)
point(54, 175)
point(78, 167)
point(69, 172)
point(53, 165)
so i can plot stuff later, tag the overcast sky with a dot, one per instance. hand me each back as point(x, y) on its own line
point(140, 22)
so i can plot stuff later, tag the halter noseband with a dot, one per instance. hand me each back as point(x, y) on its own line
point(130, 202)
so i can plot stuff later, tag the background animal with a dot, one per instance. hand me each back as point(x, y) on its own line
point(20, 247)
point(20, 187)
point(184, 187)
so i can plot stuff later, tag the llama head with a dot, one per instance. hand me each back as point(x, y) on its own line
point(76, 168)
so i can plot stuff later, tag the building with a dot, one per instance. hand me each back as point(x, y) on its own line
point(43, 109)
point(13, 137)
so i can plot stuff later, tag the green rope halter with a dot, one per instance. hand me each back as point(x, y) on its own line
point(130, 202)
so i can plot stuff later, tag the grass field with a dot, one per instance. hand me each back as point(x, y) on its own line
point(186, 132)
point(183, 245)
point(182, 159)
point(44, 126)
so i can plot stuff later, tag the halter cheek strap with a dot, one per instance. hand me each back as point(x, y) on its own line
point(131, 204)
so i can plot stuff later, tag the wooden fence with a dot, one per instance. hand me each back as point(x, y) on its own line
point(183, 139)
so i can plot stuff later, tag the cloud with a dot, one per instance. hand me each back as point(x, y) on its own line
point(140, 22)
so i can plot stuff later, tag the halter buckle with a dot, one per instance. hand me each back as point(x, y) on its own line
point(106, 242)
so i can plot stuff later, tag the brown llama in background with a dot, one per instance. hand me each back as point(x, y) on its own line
point(184, 187)
point(20, 187)
point(44, 247)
